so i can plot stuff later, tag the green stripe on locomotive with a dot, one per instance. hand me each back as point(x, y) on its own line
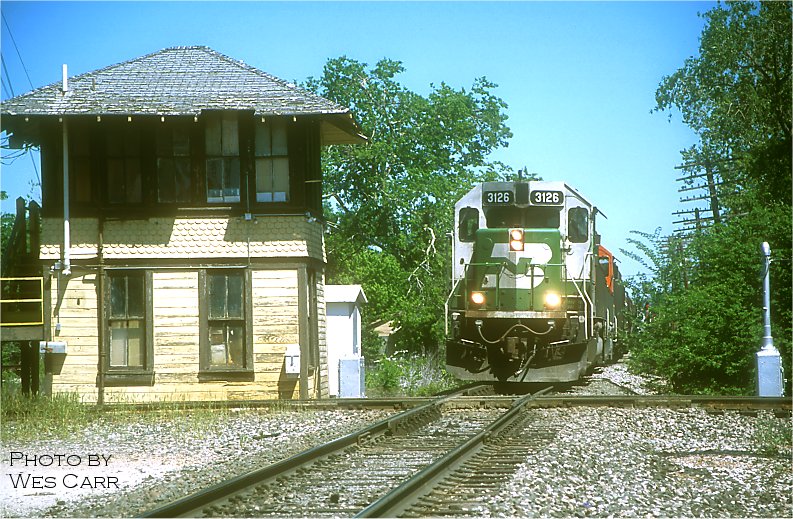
point(485, 267)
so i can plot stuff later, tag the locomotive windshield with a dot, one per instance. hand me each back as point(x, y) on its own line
point(524, 217)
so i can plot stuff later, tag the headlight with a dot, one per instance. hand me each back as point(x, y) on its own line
point(552, 300)
point(477, 298)
point(516, 239)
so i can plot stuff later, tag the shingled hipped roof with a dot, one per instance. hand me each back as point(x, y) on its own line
point(182, 81)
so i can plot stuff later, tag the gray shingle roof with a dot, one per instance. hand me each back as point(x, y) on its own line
point(176, 81)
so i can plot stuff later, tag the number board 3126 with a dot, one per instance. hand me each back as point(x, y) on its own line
point(497, 197)
point(547, 197)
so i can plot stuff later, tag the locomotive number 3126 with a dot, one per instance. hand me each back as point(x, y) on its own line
point(547, 197)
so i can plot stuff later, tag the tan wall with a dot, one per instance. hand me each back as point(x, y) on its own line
point(74, 307)
point(323, 389)
point(176, 340)
point(275, 328)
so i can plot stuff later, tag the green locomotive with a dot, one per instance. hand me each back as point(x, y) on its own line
point(535, 297)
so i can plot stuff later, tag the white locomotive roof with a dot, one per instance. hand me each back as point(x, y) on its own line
point(473, 197)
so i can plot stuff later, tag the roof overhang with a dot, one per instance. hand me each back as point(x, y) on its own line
point(341, 130)
point(25, 129)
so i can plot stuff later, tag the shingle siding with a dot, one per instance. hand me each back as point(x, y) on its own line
point(187, 238)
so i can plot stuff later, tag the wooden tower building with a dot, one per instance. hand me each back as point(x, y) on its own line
point(181, 240)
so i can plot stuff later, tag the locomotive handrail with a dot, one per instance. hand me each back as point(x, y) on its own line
point(446, 307)
point(587, 302)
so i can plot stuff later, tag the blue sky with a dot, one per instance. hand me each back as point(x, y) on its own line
point(579, 78)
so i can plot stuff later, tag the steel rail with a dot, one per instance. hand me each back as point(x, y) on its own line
point(391, 504)
point(201, 498)
point(719, 403)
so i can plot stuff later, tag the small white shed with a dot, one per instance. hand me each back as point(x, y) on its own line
point(343, 336)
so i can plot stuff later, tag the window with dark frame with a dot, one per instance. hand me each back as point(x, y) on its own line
point(578, 224)
point(226, 319)
point(469, 224)
point(222, 158)
point(124, 185)
point(174, 175)
point(271, 162)
point(127, 321)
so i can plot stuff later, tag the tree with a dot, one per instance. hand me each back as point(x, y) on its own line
point(736, 95)
point(390, 201)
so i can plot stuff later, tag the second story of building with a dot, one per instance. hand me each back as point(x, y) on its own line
point(185, 139)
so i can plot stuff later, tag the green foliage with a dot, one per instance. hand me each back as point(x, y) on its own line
point(404, 374)
point(391, 200)
point(64, 415)
point(703, 331)
point(736, 95)
point(705, 320)
point(6, 228)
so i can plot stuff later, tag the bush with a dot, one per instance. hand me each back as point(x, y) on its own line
point(403, 374)
point(706, 305)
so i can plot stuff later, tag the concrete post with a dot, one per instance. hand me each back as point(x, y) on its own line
point(769, 363)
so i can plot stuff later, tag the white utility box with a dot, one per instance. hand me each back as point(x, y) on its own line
point(343, 335)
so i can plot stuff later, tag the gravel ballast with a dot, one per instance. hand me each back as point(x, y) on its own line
point(156, 463)
point(603, 461)
point(649, 462)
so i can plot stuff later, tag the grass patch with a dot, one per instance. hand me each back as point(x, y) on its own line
point(32, 417)
point(774, 436)
point(64, 415)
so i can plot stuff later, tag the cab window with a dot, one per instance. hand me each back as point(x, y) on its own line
point(578, 224)
point(469, 224)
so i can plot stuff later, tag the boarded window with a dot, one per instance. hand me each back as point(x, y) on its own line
point(124, 185)
point(222, 150)
point(174, 176)
point(272, 162)
point(127, 320)
point(80, 167)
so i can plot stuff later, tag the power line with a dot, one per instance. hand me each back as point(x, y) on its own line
point(8, 77)
point(17, 49)
point(10, 87)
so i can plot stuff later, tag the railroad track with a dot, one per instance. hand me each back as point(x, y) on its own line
point(436, 459)
point(308, 484)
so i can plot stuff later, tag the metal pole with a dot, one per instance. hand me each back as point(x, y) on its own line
point(770, 381)
point(67, 245)
point(768, 340)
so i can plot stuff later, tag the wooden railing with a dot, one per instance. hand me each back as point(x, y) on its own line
point(22, 301)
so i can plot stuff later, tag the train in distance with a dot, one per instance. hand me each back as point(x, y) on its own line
point(535, 296)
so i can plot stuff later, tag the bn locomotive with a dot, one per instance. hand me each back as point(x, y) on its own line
point(535, 297)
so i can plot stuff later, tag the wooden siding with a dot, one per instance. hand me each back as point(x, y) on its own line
point(276, 327)
point(324, 389)
point(74, 309)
